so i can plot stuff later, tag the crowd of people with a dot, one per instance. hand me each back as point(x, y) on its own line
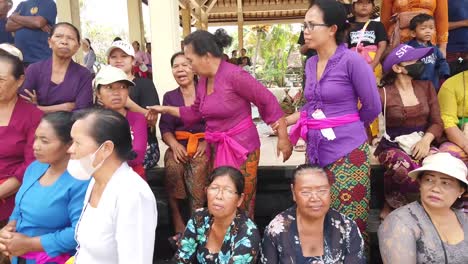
point(76, 143)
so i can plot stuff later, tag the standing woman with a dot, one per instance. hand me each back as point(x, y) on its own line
point(143, 94)
point(59, 83)
point(330, 122)
point(119, 218)
point(185, 161)
point(18, 121)
point(90, 56)
point(49, 202)
point(224, 96)
point(408, 9)
point(111, 87)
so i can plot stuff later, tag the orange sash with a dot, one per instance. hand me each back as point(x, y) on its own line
point(193, 139)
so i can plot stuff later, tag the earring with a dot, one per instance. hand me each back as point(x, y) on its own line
point(459, 196)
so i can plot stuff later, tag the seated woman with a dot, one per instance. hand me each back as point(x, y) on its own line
point(310, 231)
point(429, 230)
point(122, 55)
point(49, 202)
point(18, 121)
point(221, 233)
point(185, 161)
point(454, 111)
point(410, 106)
point(59, 83)
point(119, 218)
point(111, 85)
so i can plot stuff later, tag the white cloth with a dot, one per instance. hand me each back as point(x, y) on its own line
point(121, 230)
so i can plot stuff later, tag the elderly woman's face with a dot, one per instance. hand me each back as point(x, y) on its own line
point(64, 42)
point(8, 84)
point(182, 71)
point(113, 96)
point(439, 190)
point(311, 192)
point(222, 197)
point(48, 147)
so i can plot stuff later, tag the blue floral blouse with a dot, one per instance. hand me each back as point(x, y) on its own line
point(240, 246)
point(342, 241)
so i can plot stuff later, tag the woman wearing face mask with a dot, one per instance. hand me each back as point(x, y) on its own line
point(410, 106)
point(119, 218)
point(59, 83)
point(49, 202)
point(122, 55)
point(111, 86)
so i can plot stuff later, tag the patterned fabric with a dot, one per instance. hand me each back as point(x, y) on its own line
point(399, 188)
point(151, 155)
point(342, 241)
point(187, 179)
point(457, 152)
point(240, 245)
point(350, 189)
point(249, 170)
point(408, 236)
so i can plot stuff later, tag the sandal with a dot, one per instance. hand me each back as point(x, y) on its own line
point(173, 240)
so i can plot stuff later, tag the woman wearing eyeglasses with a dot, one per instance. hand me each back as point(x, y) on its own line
point(310, 231)
point(221, 233)
point(330, 121)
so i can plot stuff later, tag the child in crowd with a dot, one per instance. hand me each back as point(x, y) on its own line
point(422, 29)
point(367, 37)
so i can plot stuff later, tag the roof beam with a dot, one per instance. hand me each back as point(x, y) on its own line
point(211, 5)
point(259, 8)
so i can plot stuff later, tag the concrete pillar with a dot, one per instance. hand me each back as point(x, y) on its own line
point(165, 41)
point(240, 35)
point(69, 11)
point(136, 28)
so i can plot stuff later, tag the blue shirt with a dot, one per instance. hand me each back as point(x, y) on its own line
point(50, 212)
point(435, 65)
point(33, 42)
point(5, 36)
point(458, 38)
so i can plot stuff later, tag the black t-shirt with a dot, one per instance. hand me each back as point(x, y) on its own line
point(301, 41)
point(144, 94)
point(375, 32)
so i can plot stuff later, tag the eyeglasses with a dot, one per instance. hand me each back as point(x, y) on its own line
point(311, 26)
point(319, 193)
point(225, 192)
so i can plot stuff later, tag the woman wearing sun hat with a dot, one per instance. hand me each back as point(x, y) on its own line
point(430, 230)
point(410, 106)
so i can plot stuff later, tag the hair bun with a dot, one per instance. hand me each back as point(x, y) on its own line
point(131, 155)
point(222, 38)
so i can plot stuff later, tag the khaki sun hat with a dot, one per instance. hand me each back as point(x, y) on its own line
point(108, 74)
point(12, 50)
point(443, 163)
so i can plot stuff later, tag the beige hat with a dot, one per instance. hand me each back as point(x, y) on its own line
point(12, 50)
point(443, 163)
point(108, 74)
point(123, 45)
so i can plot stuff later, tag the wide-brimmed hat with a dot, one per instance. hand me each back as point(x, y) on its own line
point(404, 53)
point(108, 74)
point(123, 45)
point(12, 50)
point(443, 163)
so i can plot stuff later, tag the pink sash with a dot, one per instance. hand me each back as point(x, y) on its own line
point(42, 257)
point(299, 130)
point(229, 152)
point(364, 51)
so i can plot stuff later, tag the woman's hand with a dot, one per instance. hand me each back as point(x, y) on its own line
point(151, 118)
point(6, 233)
point(179, 152)
point(284, 146)
point(18, 244)
point(30, 97)
point(421, 149)
point(156, 109)
point(200, 149)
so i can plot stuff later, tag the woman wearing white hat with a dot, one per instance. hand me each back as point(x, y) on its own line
point(430, 230)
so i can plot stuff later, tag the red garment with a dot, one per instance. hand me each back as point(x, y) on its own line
point(16, 142)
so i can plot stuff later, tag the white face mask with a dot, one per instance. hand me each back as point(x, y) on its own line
point(82, 169)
